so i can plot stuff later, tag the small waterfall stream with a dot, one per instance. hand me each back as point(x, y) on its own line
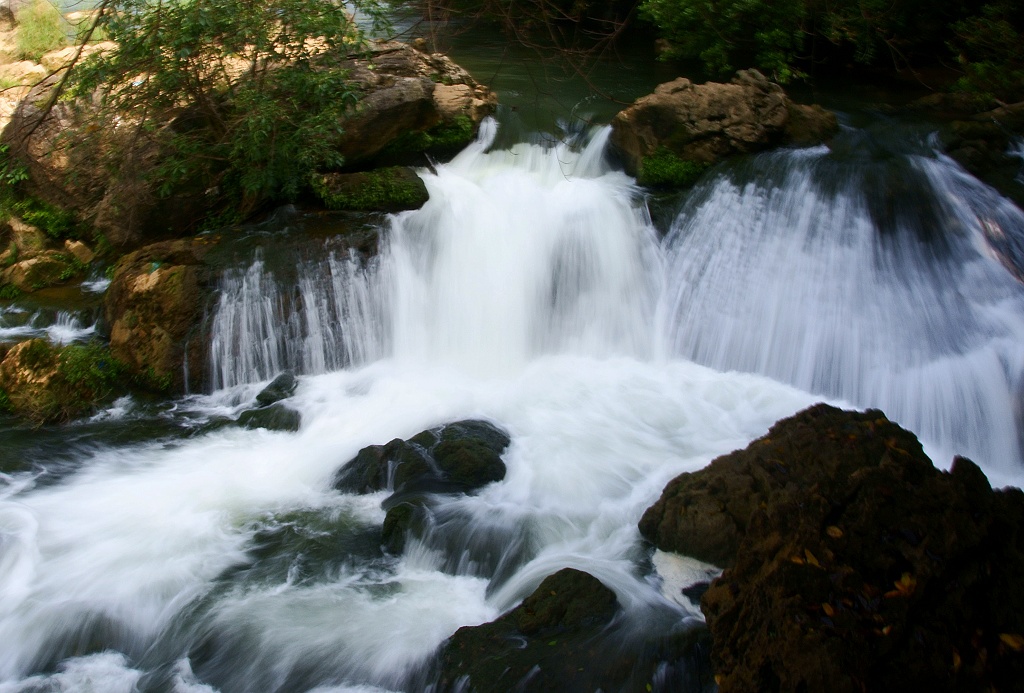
point(532, 291)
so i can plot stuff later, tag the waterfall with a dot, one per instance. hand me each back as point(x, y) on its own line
point(893, 283)
point(167, 548)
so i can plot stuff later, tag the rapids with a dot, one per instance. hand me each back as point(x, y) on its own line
point(532, 290)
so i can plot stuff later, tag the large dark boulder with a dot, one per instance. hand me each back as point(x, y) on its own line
point(686, 127)
point(538, 646)
point(981, 143)
point(853, 563)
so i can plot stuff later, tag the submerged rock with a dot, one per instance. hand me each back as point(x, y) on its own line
point(154, 307)
point(854, 563)
point(669, 137)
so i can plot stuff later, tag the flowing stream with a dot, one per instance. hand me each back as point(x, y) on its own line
point(156, 548)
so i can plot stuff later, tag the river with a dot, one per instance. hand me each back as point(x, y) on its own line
point(152, 547)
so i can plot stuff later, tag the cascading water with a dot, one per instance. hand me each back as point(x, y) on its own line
point(888, 281)
point(531, 291)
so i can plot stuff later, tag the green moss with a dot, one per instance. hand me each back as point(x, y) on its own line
point(9, 292)
point(90, 367)
point(665, 169)
point(5, 402)
point(149, 379)
point(444, 139)
point(386, 189)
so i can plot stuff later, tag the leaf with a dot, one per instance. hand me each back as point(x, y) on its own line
point(834, 532)
point(811, 559)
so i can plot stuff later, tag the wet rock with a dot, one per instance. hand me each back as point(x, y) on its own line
point(276, 417)
point(539, 645)
point(154, 307)
point(458, 457)
point(683, 127)
point(281, 387)
point(858, 565)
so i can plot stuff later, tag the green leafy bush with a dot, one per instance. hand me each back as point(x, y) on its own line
point(990, 48)
point(665, 169)
point(255, 90)
point(41, 29)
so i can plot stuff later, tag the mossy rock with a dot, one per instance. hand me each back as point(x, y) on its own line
point(45, 270)
point(442, 141)
point(663, 169)
point(46, 384)
point(391, 189)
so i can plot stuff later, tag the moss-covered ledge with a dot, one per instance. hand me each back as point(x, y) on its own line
point(390, 189)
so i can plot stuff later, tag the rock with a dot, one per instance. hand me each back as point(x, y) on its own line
point(154, 307)
point(45, 269)
point(62, 57)
point(457, 458)
point(47, 385)
point(276, 417)
point(390, 189)
point(538, 646)
point(80, 251)
point(460, 457)
point(705, 514)
point(703, 124)
point(411, 100)
point(281, 387)
point(400, 116)
point(980, 144)
point(859, 566)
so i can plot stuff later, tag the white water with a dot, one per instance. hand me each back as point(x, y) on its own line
point(532, 291)
point(17, 324)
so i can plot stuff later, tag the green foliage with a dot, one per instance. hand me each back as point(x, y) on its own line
point(728, 35)
point(990, 48)
point(41, 29)
point(9, 292)
point(665, 169)
point(149, 379)
point(89, 368)
point(5, 403)
point(785, 39)
point(444, 139)
point(57, 223)
point(254, 90)
point(384, 189)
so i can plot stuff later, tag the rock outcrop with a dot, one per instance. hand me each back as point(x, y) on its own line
point(411, 102)
point(154, 307)
point(981, 143)
point(28, 262)
point(690, 126)
point(853, 563)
